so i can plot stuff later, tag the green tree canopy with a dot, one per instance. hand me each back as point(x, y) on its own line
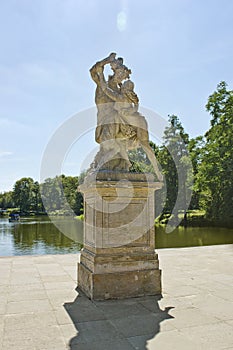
point(6, 200)
point(215, 171)
point(174, 158)
point(23, 194)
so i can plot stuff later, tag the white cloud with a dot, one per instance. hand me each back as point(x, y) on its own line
point(5, 153)
point(10, 125)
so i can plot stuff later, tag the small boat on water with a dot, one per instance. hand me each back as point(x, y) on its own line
point(14, 217)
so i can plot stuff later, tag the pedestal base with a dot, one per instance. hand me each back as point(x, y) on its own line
point(118, 259)
point(119, 285)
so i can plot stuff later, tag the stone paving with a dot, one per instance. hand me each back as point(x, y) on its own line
point(40, 308)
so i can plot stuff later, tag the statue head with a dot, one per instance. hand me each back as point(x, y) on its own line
point(128, 85)
point(121, 72)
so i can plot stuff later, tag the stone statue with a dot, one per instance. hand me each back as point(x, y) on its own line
point(118, 259)
point(120, 127)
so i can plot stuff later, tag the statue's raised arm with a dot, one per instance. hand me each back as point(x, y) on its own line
point(100, 65)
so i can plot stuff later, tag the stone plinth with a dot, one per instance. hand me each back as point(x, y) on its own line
point(118, 259)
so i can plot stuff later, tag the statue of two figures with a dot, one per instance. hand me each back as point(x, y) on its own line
point(120, 127)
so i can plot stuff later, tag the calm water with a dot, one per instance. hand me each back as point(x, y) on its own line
point(38, 236)
point(193, 236)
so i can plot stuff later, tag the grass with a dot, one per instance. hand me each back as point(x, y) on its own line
point(195, 218)
point(80, 217)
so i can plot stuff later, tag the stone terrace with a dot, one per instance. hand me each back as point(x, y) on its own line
point(40, 308)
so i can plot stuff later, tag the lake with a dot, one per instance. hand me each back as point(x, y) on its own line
point(39, 236)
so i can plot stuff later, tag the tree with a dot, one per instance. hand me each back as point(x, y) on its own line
point(23, 194)
point(37, 204)
point(174, 158)
point(60, 194)
point(140, 162)
point(73, 197)
point(195, 148)
point(6, 200)
point(52, 194)
point(215, 172)
point(78, 208)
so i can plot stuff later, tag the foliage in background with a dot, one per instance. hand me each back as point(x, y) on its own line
point(215, 169)
point(57, 195)
point(176, 167)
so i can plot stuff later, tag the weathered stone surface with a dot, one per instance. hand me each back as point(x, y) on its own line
point(120, 127)
point(118, 259)
point(124, 284)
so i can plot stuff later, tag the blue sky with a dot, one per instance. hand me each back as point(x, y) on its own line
point(178, 51)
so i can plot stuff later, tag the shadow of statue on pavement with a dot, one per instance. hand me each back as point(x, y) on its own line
point(115, 324)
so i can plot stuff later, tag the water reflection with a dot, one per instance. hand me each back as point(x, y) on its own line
point(38, 236)
point(193, 236)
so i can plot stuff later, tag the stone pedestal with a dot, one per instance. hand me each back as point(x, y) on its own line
point(118, 259)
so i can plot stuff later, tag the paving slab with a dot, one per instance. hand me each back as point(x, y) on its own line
point(119, 344)
point(95, 332)
point(41, 309)
point(27, 295)
point(169, 340)
point(28, 306)
point(210, 336)
point(116, 309)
